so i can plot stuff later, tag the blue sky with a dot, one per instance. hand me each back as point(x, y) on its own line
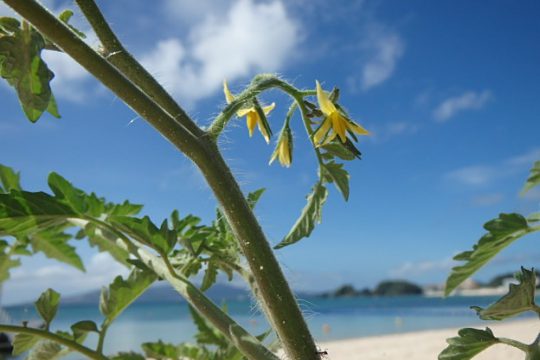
point(449, 90)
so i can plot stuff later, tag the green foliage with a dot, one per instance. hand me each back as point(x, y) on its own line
point(54, 244)
point(47, 305)
point(334, 173)
point(81, 328)
point(311, 215)
point(65, 16)
point(469, 343)
point(128, 356)
point(23, 342)
point(46, 350)
point(24, 69)
point(501, 232)
point(9, 179)
point(120, 293)
point(534, 178)
point(520, 298)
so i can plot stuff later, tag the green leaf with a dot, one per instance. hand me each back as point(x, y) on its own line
point(253, 197)
point(121, 293)
point(336, 148)
point(501, 232)
point(207, 334)
point(46, 350)
point(21, 65)
point(311, 215)
point(146, 232)
point(469, 343)
point(534, 217)
point(534, 178)
point(55, 246)
point(160, 350)
point(335, 173)
point(67, 193)
point(106, 241)
point(210, 275)
point(23, 342)
point(6, 264)
point(520, 298)
point(128, 356)
point(82, 328)
point(9, 179)
point(47, 305)
point(9, 25)
point(65, 16)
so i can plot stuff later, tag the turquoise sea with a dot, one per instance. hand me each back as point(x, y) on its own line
point(329, 319)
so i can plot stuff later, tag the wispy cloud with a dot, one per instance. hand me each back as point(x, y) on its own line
point(472, 175)
point(248, 37)
point(482, 174)
point(413, 269)
point(385, 48)
point(469, 100)
point(488, 199)
point(26, 283)
point(392, 129)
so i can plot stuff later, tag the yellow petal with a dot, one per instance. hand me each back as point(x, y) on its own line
point(244, 112)
point(327, 106)
point(269, 108)
point(251, 121)
point(329, 139)
point(228, 96)
point(357, 128)
point(339, 124)
point(323, 129)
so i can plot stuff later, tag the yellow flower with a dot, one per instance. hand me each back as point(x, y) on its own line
point(334, 123)
point(251, 114)
point(284, 148)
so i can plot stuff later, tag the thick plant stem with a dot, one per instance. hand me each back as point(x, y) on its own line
point(277, 298)
point(116, 54)
point(73, 345)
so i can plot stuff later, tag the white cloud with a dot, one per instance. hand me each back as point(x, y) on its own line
point(469, 100)
point(488, 199)
point(385, 49)
point(70, 79)
point(483, 174)
point(472, 175)
point(26, 284)
point(410, 269)
point(249, 37)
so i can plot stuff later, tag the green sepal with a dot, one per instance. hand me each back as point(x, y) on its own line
point(81, 328)
point(9, 179)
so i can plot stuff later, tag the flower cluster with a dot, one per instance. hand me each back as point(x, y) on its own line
point(334, 124)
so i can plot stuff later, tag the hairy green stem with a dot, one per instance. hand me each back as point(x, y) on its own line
point(246, 343)
point(116, 54)
point(278, 301)
point(101, 339)
point(514, 343)
point(73, 345)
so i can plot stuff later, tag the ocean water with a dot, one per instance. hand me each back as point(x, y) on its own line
point(328, 319)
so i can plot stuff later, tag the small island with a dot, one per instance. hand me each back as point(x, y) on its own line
point(384, 288)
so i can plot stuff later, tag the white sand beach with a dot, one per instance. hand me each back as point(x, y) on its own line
point(426, 345)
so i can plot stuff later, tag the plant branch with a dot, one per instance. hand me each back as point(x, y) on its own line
point(278, 301)
point(116, 54)
point(246, 343)
point(514, 343)
point(73, 345)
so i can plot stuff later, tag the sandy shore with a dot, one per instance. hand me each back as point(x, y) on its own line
point(426, 345)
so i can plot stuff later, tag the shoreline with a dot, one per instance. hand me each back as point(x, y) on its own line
point(427, 344)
